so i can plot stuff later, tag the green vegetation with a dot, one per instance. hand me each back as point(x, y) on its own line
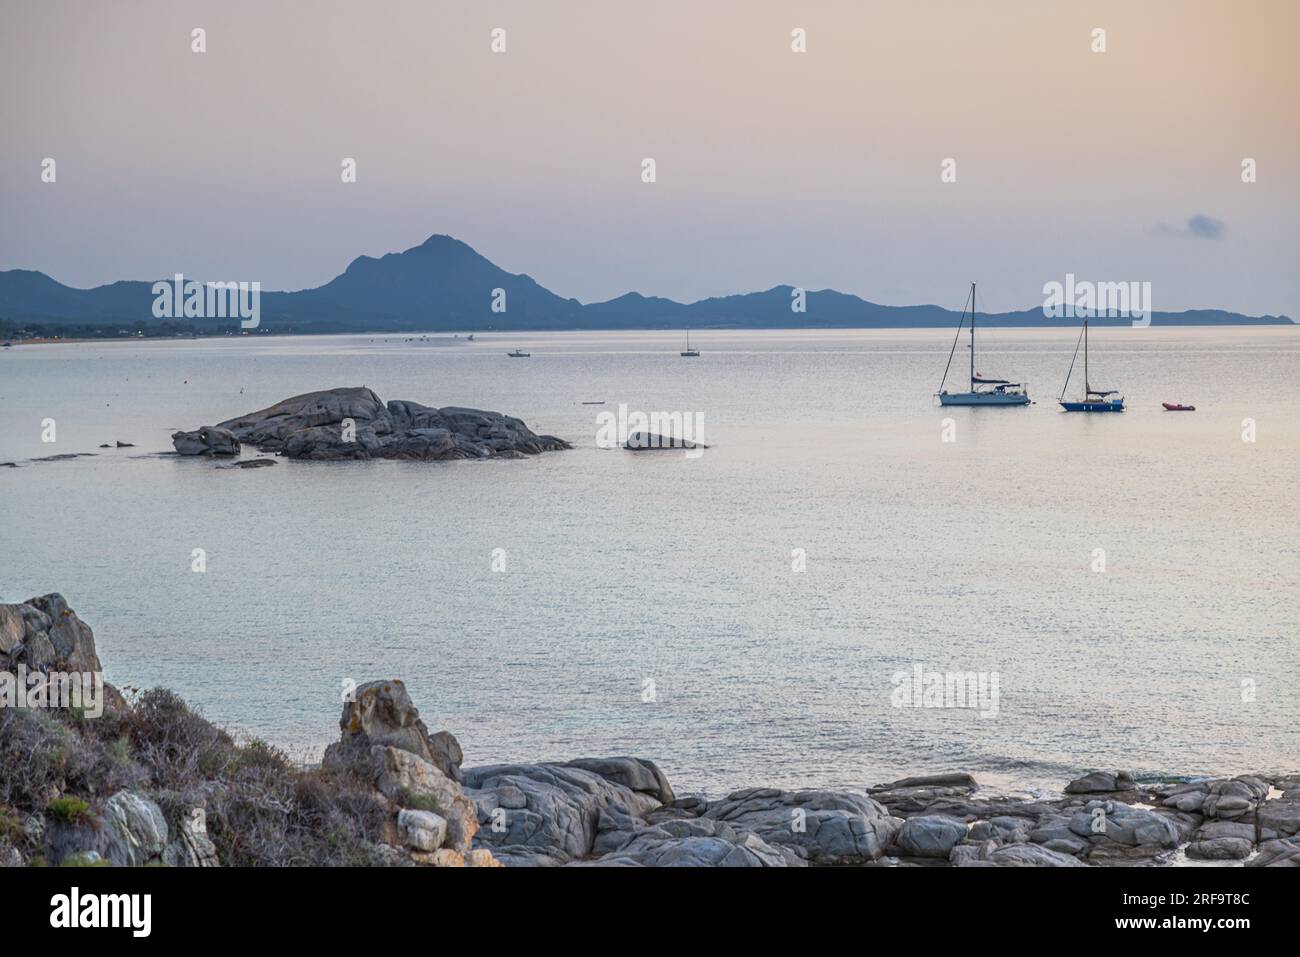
point(83, 860)
point(69, 810)
point(419, 802)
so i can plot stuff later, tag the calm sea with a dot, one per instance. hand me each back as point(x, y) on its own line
point(764, 595)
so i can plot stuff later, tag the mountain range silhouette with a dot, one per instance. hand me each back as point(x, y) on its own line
point(444, 284)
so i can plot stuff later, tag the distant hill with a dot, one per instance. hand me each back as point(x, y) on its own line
point(443, 284)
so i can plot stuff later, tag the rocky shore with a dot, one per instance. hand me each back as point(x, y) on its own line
point(151, 782)
point(354, 423)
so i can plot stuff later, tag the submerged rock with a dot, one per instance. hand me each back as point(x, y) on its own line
point(645, 441)
point(354, 423)
point(207, 440)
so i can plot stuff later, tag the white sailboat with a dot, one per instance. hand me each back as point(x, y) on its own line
point(996, 391)
point(690, 353)
point(1094, 400)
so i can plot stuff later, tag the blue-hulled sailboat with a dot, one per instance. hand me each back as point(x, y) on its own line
point(997, 391)
point(1094, 400)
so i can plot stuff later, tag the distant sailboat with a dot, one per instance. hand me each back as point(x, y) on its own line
point(1094, 400)
point(1002, 391)
point(690, 353)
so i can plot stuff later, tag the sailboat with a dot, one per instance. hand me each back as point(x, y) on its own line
point(998, 391)
point(690, 353)
point(1094, 400)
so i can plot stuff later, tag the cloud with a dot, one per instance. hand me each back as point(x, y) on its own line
point(1199, 226)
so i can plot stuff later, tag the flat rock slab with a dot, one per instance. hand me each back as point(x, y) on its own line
point(928, 835)
point(550, 813)
point(823, 827)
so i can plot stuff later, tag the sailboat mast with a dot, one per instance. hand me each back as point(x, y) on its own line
point(972, 337)
point(1086, 384)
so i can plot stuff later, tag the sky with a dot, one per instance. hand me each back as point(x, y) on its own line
point(821, 169)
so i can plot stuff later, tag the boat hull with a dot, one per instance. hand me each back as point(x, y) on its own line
point(983, 398)
point(1113, 405)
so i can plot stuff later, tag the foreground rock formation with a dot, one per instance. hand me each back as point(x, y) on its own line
point(150, 782)
point(354, 423)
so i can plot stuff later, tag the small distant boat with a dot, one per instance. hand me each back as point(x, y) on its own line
point(690, 353)
point(517, 354)
point(470, 337)
point(1002, 391)
point(1094, 400)
point(1178, 407)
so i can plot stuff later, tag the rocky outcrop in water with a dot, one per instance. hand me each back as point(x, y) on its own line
point(354, 423)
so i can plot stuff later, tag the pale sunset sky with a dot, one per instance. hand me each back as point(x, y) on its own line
point(820, 169)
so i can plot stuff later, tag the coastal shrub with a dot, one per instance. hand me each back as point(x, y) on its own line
point(69, 809)
point(177, 745)
point(262, 809)
point(257, 754)
point(34, 752)
point(102, 768)
point(273, 815)
point(340, 791)
point(248, 816)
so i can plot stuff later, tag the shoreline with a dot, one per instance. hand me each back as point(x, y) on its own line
point(148, 780)
point(511, 335)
